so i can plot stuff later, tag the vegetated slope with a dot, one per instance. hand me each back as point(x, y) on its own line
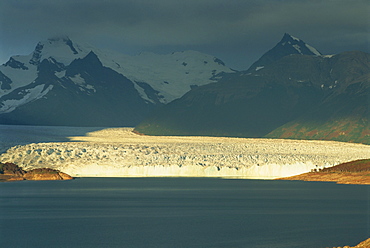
point(248, 108)
point(295, 89)
point(344, 114)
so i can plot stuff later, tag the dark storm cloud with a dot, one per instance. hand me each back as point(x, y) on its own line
point(238, 31)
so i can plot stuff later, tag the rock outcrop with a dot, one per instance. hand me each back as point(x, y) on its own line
point(12, 172)
point(46, 174)
point(364, 244)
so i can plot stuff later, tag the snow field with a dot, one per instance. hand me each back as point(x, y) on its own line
point(172, 75)
point(118, 152)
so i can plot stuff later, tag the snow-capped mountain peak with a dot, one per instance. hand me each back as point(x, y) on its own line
point(61, 49)
point(59, 67)
point(171, 75)
point(288, 45)
point(300, 46)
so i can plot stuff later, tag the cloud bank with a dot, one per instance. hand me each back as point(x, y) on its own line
point(238, 31)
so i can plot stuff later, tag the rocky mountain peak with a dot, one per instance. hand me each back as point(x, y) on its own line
point(60, 48)
point(299, 45)
point(287, 37)
point(288, 45)
point(63, 40)
point(120, 88)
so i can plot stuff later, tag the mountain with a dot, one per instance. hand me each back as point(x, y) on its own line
point(287, 46)
point(297, 96)
point(67, 83)
point(344, 114)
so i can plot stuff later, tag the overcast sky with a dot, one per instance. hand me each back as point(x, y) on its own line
point(236, 31)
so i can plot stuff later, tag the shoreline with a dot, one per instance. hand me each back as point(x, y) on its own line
point(353, 172)
point(363, 244)
point(10, 172)
point(339, 178)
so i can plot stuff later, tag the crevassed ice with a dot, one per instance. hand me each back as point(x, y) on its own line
point(120, 153)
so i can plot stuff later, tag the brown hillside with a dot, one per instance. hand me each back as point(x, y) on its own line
point(354, 172)
point(364, 244)
point(12, 172)
point(361, 165)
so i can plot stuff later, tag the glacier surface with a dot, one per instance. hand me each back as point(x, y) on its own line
point(118, 152)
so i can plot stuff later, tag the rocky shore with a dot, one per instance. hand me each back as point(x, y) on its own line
point(364, 244)
point(12, 172)
point(354, 172)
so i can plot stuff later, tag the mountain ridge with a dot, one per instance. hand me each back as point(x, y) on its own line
point(50, 85)
point(288, 45)
point(297, 96)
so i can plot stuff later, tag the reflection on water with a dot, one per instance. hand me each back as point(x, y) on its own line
point(182, 212)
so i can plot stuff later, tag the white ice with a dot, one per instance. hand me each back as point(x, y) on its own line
point(30, 95)
point(120, 153)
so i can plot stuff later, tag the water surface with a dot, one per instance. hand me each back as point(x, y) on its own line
point(182, 212)
point(12, 135)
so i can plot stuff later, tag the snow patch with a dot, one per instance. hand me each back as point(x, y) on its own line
point(328, 56)
point(20, 78)
point(295, 38)
point(154, 69)
point(78, 80)
point(60, 50)
point(60, 74)
point(298, 48)
point(28, 95)
point(313, 50)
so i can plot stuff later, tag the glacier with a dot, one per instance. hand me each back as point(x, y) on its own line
point(118, 152)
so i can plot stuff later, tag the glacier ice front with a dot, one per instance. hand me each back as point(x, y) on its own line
point(269, 171)
point(120, 153)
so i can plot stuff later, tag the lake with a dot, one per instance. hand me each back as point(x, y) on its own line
point(182, 212)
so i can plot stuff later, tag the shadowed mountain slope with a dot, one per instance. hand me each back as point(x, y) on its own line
point(288, 98)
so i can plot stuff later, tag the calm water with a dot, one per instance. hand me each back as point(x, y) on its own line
point(12, 135)
point(182, 212)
